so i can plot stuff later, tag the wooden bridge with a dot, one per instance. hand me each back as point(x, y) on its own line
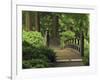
point(68, 57)
point(67, 54)
point(72, 53)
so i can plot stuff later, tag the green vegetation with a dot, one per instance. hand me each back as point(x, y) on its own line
point(66, 36)
point(34, 38)
point(38, 28)
point(35, 63)
point(86, 52)
point(35, 54)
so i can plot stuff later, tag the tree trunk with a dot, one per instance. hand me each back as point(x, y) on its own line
point(28, 21)
point(37, 21)
point(54, 39)
point(55, 26)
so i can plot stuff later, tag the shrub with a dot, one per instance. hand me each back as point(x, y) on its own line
point(26, 64)
point(49, 53)
point(39, 63)
point(27, 50)
point(27, 53)
point(37, 56)
point(34, 52)
point(34, 38)
point(44, 53)
point(65, 36)
point(35, 63)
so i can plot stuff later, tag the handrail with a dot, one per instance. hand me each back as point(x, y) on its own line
point(76, 43)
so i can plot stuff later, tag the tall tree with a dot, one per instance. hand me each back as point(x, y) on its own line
point(55, 26)
point(55, 30)
point(37, 21)
point(28, 21)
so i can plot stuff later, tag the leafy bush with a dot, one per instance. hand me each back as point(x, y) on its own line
point(27, 50)
point(39, 63)
point(44, 53)
point(30, 53)
point(65, 36)
point(49, 53)
point(35, 63)
point(26, 64)
point(37, 56)
point(86, 52)
point(34, 38)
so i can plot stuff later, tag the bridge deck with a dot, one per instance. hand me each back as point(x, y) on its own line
point(67, 54)
point(68, 57)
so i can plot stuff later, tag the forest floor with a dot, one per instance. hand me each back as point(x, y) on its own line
point(68, 57)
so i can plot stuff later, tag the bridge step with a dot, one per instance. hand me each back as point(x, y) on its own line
point(67, 60)
point(69, 64)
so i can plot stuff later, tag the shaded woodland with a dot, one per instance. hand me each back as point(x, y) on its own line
point(47, 30)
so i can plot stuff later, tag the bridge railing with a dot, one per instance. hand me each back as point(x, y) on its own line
point(76, 43)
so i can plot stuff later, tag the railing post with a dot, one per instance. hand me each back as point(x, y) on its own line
point(75, 43)
point(78, 41)
point(47, 38)
point(78, 44)
point(82, 44)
